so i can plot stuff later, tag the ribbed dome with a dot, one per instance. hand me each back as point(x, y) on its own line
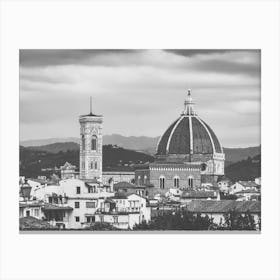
point(189, 135)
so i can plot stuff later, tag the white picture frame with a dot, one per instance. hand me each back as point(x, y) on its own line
point(123, 24)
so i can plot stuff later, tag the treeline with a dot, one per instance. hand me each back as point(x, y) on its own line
point(183, 220)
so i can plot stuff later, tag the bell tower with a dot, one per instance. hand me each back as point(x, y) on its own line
point(91, 145)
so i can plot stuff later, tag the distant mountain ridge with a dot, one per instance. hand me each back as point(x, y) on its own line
point(137, 143)
point(232, 154)
point(43, 142)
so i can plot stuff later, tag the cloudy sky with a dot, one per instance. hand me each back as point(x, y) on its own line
point(140, 92)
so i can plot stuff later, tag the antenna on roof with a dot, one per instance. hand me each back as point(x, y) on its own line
point(91, 105)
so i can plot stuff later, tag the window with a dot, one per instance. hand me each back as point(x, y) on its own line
point(190, 182)
point(161, 182)
point(90, 204)
point(139, 180)
point(145, 179)
point(115, 219)
point(90, 219)
point(95, 165)
point(77, 204)
point(94, 143)
point(77, 219)
point(36, 212)
point(176, 182)
point(83, 165)
point(83, 142)
point(91, 165)
point(78, 190)
point(101, 218)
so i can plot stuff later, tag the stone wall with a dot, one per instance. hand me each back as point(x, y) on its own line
point(169, 173)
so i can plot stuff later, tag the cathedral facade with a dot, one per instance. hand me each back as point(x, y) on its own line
point(188, 154)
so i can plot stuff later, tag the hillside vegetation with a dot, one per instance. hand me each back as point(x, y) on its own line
point(32, 160)
point(248, 169)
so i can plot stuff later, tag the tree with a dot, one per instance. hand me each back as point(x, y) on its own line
point(237, 221)
point(179, 220)
point(100, 226)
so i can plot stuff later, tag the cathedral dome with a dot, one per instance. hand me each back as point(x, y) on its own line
point(188, 135)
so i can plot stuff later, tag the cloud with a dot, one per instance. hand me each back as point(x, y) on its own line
point(43, 58)
point(224, 61)
point(195, 52)
point(139, 92)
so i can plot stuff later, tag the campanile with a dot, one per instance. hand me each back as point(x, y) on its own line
point(91, 146)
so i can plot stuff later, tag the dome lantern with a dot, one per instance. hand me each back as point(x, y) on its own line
point(189, 105)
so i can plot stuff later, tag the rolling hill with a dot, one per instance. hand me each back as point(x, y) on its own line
point(33, 160)
point(244, 164)
point(238, 154)
point(232, 154)
point(247, 169)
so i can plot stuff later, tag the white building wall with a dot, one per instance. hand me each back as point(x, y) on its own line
point(237, 187)
point(35, 212)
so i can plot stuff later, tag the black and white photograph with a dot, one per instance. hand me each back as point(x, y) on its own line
point(140, 140)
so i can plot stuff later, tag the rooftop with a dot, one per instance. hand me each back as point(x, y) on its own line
point(248, 184)
point(124, 184)
point(188, 135)
point(199, 194)
point(48, 207)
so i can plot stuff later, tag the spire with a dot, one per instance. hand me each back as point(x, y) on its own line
point(189, 105)
point(91, 105)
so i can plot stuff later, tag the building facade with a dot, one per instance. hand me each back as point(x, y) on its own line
point(67, 171)
point(114, 177)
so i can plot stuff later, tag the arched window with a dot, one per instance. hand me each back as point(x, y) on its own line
point(161, 182)
point(176, 182)
point(83, 142)
point(139, 180)
point(91, 165)
point(190, 182)
point(94, 143)
point(145, 179)
point(95, 165)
